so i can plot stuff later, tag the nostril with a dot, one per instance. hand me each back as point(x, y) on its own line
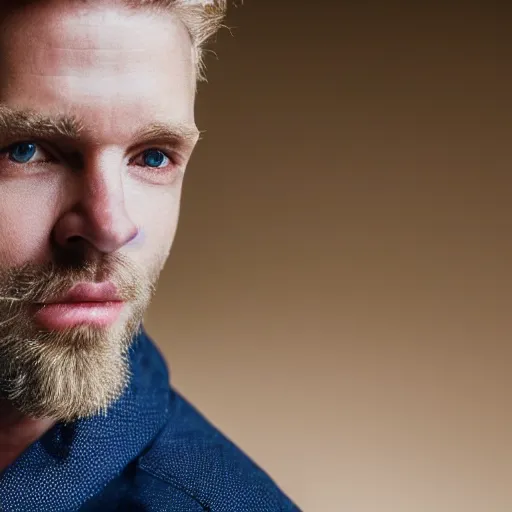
point(134, 236)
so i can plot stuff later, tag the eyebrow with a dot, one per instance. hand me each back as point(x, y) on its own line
point(178, 133)
point(16, 123)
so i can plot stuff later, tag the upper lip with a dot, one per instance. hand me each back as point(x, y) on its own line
point(90, 292)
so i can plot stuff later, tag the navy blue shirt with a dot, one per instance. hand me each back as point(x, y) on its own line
point(153, 451)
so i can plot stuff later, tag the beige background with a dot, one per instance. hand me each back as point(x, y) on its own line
point(338, 296)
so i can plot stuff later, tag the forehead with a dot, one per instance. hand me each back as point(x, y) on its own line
point(108, 65)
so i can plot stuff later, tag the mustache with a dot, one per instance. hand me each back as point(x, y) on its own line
point(31, 282)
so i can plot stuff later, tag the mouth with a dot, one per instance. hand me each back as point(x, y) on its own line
point(89, 292)
point(61, 315)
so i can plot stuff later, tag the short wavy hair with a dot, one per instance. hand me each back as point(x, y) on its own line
point(203, 18)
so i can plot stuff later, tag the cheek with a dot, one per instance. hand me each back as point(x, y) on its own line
point(24, 228)
point(158, 219)
point(23, 244)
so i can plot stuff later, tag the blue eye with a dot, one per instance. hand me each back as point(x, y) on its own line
point(22, 152)
point(154, 158)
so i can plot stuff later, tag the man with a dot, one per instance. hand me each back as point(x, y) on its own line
point(96, 129)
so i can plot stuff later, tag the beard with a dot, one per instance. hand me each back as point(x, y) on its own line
point(71, 373)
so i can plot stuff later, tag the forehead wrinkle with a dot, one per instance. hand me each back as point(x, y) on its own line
point(106, 27)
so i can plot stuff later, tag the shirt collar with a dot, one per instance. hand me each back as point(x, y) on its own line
point(73, 462)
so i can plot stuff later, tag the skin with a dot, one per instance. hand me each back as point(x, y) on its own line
point(69, 215)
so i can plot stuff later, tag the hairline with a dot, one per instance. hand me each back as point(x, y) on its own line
point(201, 18)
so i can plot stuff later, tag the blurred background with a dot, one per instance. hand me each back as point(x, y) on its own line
point(337, 300)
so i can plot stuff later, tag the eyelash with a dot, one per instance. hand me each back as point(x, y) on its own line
point(173, 161)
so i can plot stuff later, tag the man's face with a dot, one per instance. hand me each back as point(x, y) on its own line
point(96, 129)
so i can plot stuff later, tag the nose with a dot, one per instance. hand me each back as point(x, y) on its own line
point(98, 213)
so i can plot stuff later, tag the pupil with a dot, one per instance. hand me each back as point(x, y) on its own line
point(154, 158)
point(23, 152)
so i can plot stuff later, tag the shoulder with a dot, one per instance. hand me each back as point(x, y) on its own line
point(194, 457)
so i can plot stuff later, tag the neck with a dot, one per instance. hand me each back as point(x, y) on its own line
point(18, 432)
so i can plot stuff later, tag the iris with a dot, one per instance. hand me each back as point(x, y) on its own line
point(153, 158)
point(22, 152)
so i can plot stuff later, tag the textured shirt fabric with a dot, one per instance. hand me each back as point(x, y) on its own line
point(152, 451)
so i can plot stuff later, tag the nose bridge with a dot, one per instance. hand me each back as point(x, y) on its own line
point(103, 194)
point(103, 202)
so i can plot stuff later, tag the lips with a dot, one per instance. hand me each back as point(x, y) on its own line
point(89, 292)
point(58, 316)
point(95, 304)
